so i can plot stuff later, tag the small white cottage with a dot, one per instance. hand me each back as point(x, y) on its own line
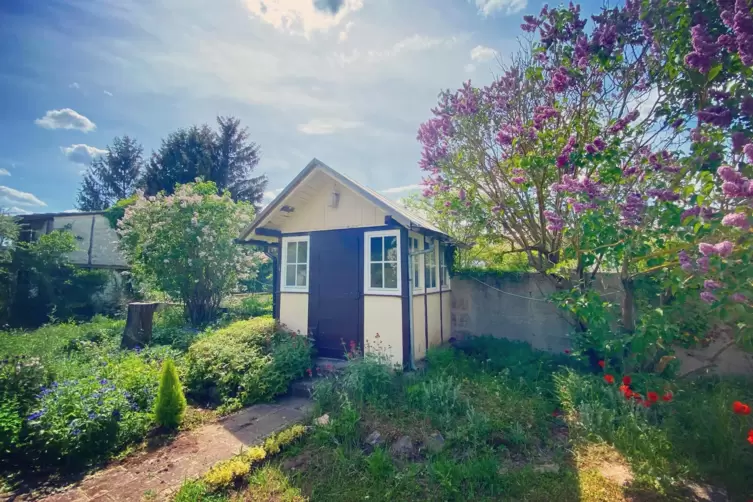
point(354, 267)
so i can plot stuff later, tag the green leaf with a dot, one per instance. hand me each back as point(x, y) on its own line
point(714, 71)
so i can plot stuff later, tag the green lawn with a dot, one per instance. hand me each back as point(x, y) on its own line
point(516, 425)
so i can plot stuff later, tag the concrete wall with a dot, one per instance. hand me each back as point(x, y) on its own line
point(520, 312)
point(383, 326)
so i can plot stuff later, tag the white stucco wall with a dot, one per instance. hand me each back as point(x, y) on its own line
point(419, 330)
point(383, 316)
point(433, 316)
point(294, 311)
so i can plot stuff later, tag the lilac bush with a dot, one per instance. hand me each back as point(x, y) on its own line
point(596, 151)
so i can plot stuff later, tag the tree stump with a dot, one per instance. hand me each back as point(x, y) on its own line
point(138, 328)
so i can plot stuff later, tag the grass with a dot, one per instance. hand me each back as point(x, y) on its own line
point(517, 424)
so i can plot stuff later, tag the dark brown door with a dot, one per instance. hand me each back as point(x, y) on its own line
point(335, 291)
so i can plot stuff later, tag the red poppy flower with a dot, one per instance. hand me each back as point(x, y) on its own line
point(637, 396)
point(624, 388)
point(609, 379)
point(602, 364)
point(308, 371)
point(740, 408)
point(628, 394)
point(750, 436)
point(646, 403)
point(652, 396)
point(567, 351)
point(627, 380)
point(667, 396)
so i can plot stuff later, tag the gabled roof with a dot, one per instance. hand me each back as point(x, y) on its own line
point(398, 213)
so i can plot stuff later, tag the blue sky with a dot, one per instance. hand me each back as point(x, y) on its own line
point(346, 81)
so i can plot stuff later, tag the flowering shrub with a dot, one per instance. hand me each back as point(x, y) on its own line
point(578, 156)
point(184, 245)
point(77, 421)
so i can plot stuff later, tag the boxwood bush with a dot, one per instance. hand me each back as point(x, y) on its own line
point(245, 362)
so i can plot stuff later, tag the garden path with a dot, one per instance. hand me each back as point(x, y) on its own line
point(157, 474)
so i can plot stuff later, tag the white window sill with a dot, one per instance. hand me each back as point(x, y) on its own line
point(383, 292)
point(294, 290)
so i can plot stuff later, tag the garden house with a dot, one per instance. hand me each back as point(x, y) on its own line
point(353, 267)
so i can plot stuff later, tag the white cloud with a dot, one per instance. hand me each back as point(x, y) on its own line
point(65, 118)
point(482, 54)
point(82, 154)
point(346, 31)
point(301, 17)
point(271, 194)
point(489, 7)
point(11, 197)
point(327, 126)
point(406, 188)
point(4, 172)
point(72, 211)
point(412, 44)
point(107, 93)
point(469, 68)
point(74, 85)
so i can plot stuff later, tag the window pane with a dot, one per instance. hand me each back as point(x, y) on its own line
point(390, 275)
point(291, 252)
point(427, 277)
point(416, 272)
point(376, 275)
point(303, 252)
point(376, 249)
point(290, 275)
point(301, 278)
point(390, 248)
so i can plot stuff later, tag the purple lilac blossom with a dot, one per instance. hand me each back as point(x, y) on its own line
point(743, 27)
point(738, 220)
point(739, 298)
point(685, 262)
point(738, 141)
point(708, 297)
point(704, 52)
point(706, 249)
point(711, 284)
point(724, 248)
point(720, 116)
point(703, 263)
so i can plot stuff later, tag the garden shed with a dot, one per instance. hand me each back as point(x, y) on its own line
point(353, 267)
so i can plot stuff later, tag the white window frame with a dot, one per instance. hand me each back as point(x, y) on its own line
point(284, 264)
point(433, 243)
point(443, 262)
point(418, 263)
point(367, 264)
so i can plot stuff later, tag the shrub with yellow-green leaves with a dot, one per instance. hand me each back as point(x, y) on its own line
point(225, 474)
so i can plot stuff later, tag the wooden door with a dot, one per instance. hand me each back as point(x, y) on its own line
point(336, 290)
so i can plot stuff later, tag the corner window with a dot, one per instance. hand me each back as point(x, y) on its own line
point(431, 265)
point(382, 268)
point(444, 273)
point(417, 265)
point(295, 264)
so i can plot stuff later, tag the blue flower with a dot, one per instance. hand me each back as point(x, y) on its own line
point(116, 415)
point(36, 415)
point(103, 381)
point(76, 432)
point(92, 415)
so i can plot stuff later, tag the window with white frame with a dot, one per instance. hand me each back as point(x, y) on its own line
point(431, 265)
point(417, 260)
point(383, 262)
point(295, 263)
point(444, 273)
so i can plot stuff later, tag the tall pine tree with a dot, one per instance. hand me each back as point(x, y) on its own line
point(226, 157)
point(113, 176)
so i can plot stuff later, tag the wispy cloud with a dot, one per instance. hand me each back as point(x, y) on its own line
point(343, 36)
point(12, 197)
point(74, 85)
point(406, 188)
point(107, 93)
point(15, 210)
point(489, 7)
point(269, 195)
point(4, 172)
point(65, 118)
point(327, 126)
point(82, 154)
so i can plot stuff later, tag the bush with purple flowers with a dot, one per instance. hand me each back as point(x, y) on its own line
point(79, 421)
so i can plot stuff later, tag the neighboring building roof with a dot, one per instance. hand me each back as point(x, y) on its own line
point(46, 216)
point(399, 213)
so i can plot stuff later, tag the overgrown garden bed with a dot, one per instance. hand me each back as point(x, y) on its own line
point(495, 420)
